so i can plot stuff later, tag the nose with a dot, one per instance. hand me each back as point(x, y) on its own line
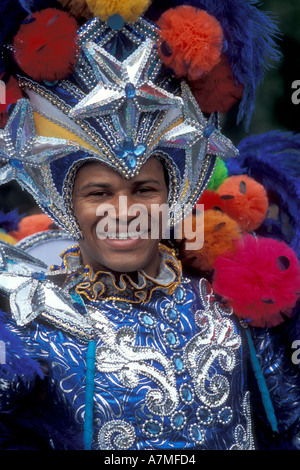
point(125, 209)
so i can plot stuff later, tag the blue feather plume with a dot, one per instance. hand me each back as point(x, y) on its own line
point(250, 34)
point(9, 221)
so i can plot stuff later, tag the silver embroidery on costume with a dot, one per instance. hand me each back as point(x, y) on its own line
point(118, 354)
point(244, 437)
point(217, 340)
point(116, 434)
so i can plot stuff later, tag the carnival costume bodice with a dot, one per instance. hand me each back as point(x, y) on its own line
point(165, 372)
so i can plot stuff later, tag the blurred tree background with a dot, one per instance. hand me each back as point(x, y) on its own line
point(274, 107)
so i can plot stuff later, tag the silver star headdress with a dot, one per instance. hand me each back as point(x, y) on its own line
point(120, 106)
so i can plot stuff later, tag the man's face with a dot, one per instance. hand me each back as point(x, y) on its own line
point(97, 187)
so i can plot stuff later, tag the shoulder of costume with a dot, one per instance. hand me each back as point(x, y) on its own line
point(31, 294)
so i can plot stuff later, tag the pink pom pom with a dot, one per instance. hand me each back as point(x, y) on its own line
point(260, 280)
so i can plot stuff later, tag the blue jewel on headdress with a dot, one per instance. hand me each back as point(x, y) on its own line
point(115, 22)
point(130, 90)
point(16, 163)
point(129, 152)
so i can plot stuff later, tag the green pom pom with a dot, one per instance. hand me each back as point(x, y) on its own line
point(219, 176)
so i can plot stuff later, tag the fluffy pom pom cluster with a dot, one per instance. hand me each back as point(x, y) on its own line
point(219, 234)
point(245, 200)
point(45, 47)
point(259, 277)
point(218, 91)
point(192, 44)
point(266, 272)
point(191, 41)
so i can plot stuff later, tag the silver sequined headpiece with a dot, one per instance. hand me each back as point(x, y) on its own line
point(120, 106)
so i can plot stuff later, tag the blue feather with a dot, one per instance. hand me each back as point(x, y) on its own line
point(9, 221)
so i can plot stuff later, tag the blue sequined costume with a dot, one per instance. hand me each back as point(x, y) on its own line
point(170, 365)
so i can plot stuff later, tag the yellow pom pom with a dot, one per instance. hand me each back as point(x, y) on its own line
point(130, 10)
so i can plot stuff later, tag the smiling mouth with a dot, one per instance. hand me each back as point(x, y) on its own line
point(123, 235)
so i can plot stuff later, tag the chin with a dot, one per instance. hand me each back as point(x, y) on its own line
point(125, 267)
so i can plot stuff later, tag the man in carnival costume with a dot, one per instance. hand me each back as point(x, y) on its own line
point(132, 343)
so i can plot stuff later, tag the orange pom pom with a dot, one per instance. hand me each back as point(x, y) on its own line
point(191, 41)
point(32, 224)
point(245, 201)
point(219, 235)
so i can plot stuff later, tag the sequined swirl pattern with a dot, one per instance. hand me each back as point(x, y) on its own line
point(174, 372)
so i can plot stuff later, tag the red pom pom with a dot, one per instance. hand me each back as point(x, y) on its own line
point(32, 224)
point(191, 41)
point(245, 200)
point(217, 91)
point(260, 280)
point(211, 200)
point(45, 45)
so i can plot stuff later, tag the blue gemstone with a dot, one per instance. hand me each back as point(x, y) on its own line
point(16, 163)
point(115, 22)
point(148, 321)
point(130, 90)
point(186, 393)
point(172, 314)
point(204, 415)
point(178, 363)
point(209, 130)
point(196, 434)
point(225, 415)
point(140, 149)
point(120, 152)
point(179, 294)
point(39, 276)
point(178, 420)
point(131, 161)
point(171, 338)
point(152, 428)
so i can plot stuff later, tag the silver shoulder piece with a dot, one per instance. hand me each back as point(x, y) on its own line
point(32, 295)
point(16, 260)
